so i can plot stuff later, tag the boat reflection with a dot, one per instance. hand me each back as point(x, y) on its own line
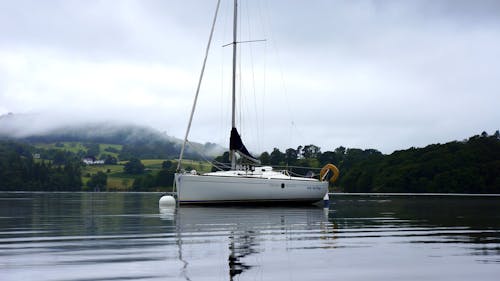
point(243, 229)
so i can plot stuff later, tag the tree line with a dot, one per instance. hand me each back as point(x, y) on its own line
point(164, 177)
point(20, 171)
point(471, 166)
point(468, 166)
point(309, 158)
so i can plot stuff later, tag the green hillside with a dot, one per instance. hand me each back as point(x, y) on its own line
point(119, 180)
point(83, 148)
point(469, 166)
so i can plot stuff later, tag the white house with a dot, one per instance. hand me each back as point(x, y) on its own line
point(92, 161)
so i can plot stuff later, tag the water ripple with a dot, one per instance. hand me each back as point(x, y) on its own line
point(126, 237)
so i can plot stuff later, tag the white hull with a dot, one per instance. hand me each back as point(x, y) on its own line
point(199, 189)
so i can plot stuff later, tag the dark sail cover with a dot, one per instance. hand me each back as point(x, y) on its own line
point(235, 143)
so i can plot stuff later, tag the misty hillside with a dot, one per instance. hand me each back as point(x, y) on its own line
point(137, 141)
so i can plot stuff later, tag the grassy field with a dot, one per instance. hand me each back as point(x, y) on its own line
point(200, 166)
point(115, 179)
point(153, 164)
point(68, 146)
point(74, 147)
point(104, 146)
point(119, 181)
point(110, 169)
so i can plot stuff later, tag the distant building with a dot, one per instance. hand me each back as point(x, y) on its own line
point(92, 161)
point(36, 155)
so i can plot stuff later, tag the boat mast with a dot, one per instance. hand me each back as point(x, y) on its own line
point(198, 87)
point(233, 120)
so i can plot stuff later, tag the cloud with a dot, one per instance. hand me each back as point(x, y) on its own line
point(369, 74)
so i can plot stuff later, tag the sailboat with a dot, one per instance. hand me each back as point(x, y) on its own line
point(249, 183)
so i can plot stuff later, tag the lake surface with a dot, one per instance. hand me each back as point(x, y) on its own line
point(125, 236)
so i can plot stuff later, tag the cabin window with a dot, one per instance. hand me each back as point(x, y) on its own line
point(282, 185)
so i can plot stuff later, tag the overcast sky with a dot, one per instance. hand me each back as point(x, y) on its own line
point(387, 75)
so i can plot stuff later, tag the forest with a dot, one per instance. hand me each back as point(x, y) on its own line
point(20, 171)
point(471, 166)
point(467, 166)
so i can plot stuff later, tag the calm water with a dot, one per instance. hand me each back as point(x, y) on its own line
point(124, 236)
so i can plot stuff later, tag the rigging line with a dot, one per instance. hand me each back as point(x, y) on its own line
point(253, 79)
point(245, 41)
point(240, 75)
point(204, 157)
point(297, 167)
point(221, 94)
point(264, 82)
point(199, 85)
point(285, 91)
point(252, 41)
point(223, 107)
point(218, 165)
point(298, 175)
point(282, 76)
point(221, 167)
point(242, 103)
point(232, 152)
point(221, 99)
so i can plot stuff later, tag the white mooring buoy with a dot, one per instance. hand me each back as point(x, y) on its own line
point(167, 201)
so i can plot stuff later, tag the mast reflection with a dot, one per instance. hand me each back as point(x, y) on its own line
point(242, 227)
point(241, 245)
